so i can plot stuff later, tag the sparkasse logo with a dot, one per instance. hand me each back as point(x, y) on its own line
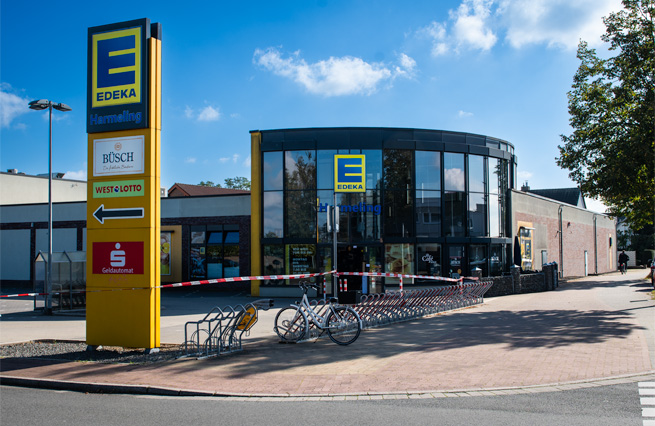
point(124, 257)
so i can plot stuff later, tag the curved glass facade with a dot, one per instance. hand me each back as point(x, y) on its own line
point(435, 203)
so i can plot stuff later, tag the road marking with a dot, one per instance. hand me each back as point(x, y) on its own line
point(647, 404)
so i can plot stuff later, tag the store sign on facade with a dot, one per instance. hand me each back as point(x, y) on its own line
point(350, 173)
point(118, 156)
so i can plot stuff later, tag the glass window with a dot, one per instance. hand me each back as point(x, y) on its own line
point(453, 171)
point(230, 261)
point(273, 209)
point(325, 169)
point(273, 263)
point(456, 261)
point(272, 171)
point(428, 213)
point(454, 214)
point(496, 260)
point(478, 259)
point(166, 240)
point(300, 259)
point(429, 260)
point(398, 214)
point(365, 212)
point(494, 172)
point(325, 201)
point(197, 267)
point(525, 239)
point(300, 169)
point(214, 260)
point(232, 237)
point(476, 173)
point(494, 216)
point(301, 214)
point(398, 168)
point(477, 220)
point(428, 170)
point(398, 259)
point(373, 168)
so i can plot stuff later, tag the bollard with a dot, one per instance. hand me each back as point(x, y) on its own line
point(345, 284)
point(401, 283)
point(340, 285)
point(324, 289)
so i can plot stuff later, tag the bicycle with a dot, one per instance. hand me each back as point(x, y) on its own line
point(622, 268)
point(341, 323)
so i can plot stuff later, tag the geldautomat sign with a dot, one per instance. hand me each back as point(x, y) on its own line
point(118, 68)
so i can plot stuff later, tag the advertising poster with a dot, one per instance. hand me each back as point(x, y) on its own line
point(166, 253)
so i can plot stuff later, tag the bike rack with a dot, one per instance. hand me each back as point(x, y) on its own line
point(221, 330)
point(376, 310)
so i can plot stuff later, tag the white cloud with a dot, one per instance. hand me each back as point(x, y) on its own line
point(478, 24)
point(464, 114)
point(556, 23)
point(235, 158)
point(11, 106)
point(190, 160)
point(454, 179)
point(209, 113)
point(335, 76)
point(78, 175)
point(471, 27)
point(223, 160)
point(247, 162)
point(524, 175)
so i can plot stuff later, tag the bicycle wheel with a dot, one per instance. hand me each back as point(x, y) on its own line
point(343, 325)
point(291, 324)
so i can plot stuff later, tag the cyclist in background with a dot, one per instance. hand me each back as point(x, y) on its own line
point(623, 261)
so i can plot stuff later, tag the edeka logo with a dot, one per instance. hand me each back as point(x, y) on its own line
point(118, 257)
point(124, 188)
point(116, 67)
point(349, 173)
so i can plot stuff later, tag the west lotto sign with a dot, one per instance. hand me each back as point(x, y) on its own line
point(123, 198)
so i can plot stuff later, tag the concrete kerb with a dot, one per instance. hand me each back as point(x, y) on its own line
point(114, 388)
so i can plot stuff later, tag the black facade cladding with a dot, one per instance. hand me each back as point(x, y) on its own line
point(400, 228)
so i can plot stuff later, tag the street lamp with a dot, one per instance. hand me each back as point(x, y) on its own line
point(42, 104)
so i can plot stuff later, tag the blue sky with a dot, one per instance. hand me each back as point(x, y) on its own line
point(499, 68)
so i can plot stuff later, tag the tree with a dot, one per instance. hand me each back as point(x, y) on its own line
point(611, 153)
point(230, 183)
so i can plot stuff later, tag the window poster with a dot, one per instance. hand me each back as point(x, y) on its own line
point(166, 238)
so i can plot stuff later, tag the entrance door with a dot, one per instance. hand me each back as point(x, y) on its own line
point(351, 259)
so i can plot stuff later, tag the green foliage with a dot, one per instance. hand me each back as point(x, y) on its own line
point(611, 153)
point(230, 183)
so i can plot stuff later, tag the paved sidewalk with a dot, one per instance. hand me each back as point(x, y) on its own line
point(587, 331)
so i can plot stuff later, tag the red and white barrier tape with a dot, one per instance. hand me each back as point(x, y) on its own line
point(251, 278)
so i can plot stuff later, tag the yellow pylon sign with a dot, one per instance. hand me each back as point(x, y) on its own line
point(123, 198)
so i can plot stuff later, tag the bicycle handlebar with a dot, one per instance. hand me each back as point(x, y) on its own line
point(306, 286)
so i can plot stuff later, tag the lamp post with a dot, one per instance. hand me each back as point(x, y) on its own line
point(42, 104)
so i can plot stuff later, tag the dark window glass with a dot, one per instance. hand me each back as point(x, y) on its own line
point(215, 238)
point(231, 237)
point(197, 252)
point(300, 169)
point(476, 173)
point(273, 263)
point(456, 261)
point(325, 201)
point(478, 259)
point(398, 259)
point(300, 259)
point(230, 261)
point(428, 213)
point(454, 214)
point(272, 171)
point(398, 169)
point(373, 168)
point(496, 260)
point(215, 261)
point(477, 220)
point(273, 214)
point(429, 260)
point(325, 169)
point(428, 170)
point(398, 214)
point(365, 216)
point(301, 214)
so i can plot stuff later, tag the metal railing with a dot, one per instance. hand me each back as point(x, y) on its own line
point(221, 330)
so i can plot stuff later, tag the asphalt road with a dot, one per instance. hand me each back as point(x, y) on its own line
point(604, 405)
